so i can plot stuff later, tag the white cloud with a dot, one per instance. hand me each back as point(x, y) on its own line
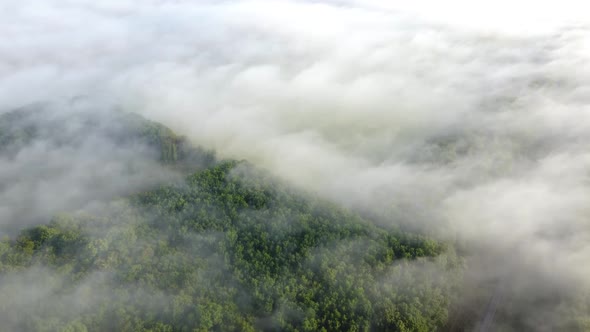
point(465, 114)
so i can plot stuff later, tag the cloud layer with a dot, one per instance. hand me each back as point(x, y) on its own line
point(469, 120)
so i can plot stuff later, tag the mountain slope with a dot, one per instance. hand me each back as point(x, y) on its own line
point(63, 158)
point(228, 247)
point(25, 127)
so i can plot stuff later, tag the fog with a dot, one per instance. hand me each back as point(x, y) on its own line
point(73, 161)
point(466, 120)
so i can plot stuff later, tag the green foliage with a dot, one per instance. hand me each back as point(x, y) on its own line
point(24, 127)
point(230, 249)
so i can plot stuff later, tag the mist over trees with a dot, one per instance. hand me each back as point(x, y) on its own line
point(294, 164)
point(228, 248)
point(86, 155)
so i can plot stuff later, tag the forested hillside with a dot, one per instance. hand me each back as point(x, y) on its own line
point(70, 128)
point(56, 158)
point(228, 248)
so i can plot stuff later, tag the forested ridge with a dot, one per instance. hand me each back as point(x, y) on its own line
point(228, 248)
point(34, 124)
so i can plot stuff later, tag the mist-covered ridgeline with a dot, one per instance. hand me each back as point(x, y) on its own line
point(466, 121)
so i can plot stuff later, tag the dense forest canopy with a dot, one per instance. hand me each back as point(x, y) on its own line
point(214, 245)
point(227, 248)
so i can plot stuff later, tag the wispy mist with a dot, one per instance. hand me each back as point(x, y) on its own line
point(466, 120)
point(56, 158)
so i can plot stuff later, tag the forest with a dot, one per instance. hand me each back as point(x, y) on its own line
point(228, 247)
point(162, 235)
